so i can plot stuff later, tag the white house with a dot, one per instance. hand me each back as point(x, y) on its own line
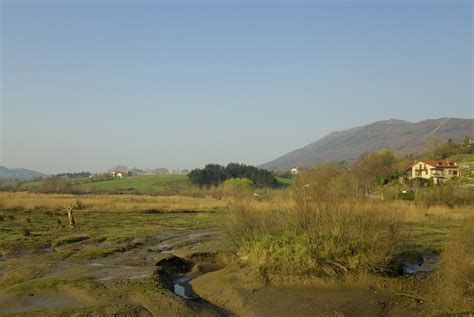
point(117, 174)
point(439, 170)
point(294, 171)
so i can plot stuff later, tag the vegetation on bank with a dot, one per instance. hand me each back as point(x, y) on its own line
point(340, 222)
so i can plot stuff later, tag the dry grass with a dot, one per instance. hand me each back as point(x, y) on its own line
point(454, 280)
point(322, 227)
point(115, 203)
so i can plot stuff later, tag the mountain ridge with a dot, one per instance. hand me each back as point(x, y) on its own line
point(395, 134)
point(18, 173)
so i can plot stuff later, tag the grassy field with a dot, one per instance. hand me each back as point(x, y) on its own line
point(145, 184)
point(24, 201)
point(127, 228)
point(29, 220)
point(103, 264)
point(284, 181)
point(168, 184)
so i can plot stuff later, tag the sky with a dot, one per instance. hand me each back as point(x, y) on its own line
point(87, 85)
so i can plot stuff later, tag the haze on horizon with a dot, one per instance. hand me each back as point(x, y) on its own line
point(92, 85)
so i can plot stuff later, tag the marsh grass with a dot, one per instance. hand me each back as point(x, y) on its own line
point(71, 239)
point(56, 203)
point(110, 222)
point(325, 229)
point(454, 280)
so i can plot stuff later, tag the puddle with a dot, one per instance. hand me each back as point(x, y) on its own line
point(49, 249)
point(426, 264)
point(175, 273)
point(182, 288)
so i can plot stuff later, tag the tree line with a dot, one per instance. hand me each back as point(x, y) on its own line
point(215, 174)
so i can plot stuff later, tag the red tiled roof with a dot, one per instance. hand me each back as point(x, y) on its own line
point(440, 163)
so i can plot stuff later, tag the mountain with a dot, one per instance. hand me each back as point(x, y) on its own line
point(399, 135)
point(18, 173)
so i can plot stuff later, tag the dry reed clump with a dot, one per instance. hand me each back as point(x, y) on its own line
point(334, 240)
point(325, 230)
point(450, 195)
point(453, 289)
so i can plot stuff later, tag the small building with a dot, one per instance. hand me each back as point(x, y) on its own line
point(118, 174)
point(439, 170)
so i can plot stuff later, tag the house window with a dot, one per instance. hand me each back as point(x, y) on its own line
point(455, 173)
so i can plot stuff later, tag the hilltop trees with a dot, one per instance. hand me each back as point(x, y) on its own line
point(440, 149)
point(215, 174)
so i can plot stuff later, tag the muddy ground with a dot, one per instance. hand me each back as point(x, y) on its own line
point(187, 268)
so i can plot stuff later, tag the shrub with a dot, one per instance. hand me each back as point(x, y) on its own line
point(237, 186)
point(448, 195)
point(325, 231)
point(406, 195)
point(454, 279)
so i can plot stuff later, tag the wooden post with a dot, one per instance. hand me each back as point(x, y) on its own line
point(72, 223)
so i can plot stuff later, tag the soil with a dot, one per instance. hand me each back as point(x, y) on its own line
point(142, 282)
point(240, 291)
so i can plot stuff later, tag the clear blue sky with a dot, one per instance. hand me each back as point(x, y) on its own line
point(90, 84)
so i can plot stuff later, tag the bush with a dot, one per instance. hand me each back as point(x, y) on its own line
point(237, 186)
point(324, 231)
point(445, 195)
point(406, 195)
point(454, 280)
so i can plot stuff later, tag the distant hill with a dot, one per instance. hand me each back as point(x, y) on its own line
point(394, 134)
point(18, 173)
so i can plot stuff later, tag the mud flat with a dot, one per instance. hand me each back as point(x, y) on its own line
point(108, 275)
point(241, 290)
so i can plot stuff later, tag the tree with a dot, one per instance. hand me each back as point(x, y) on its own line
point(373, 169)
point(119, 168)
point(440, 150)
point(214, 174)
point(135, 172)
point(237, 186)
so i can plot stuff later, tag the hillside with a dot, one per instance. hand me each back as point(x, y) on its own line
point(18, 173)
point(399, 135)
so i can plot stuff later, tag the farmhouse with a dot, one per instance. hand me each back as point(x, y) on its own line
point(438, 170)
point(118, 174)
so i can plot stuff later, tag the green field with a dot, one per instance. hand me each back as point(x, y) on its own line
point(148, 184)
point(284, 182)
